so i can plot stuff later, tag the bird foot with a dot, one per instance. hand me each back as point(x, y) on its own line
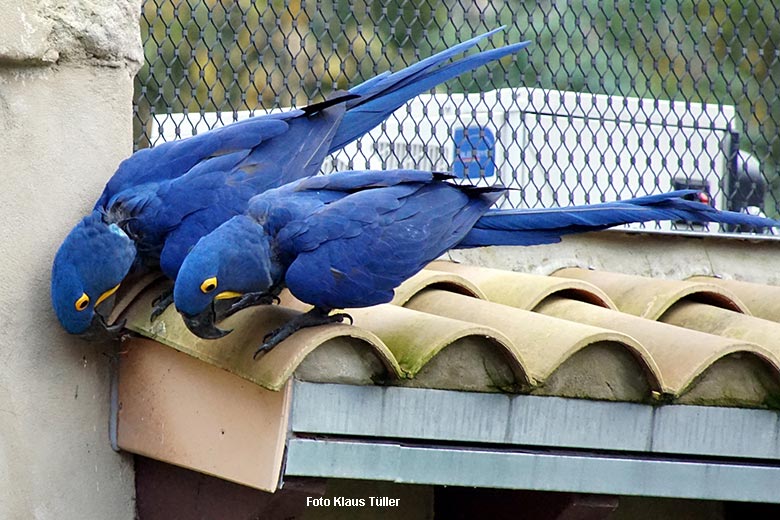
point(250, 300)
point(162, 302)
point(312, 318)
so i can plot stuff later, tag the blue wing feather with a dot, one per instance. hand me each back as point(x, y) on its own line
point(372, 233)
point(410, 73)
point(175, 158)
point(371, 240)
point(365, 113)
point(216, 173)
point(379, 97)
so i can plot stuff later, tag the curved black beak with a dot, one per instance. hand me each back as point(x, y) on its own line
point(202, 325)
point(99, 330)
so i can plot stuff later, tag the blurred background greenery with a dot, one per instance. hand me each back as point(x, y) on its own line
point(228, 55)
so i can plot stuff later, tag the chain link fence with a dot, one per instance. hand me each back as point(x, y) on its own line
point(613, 99)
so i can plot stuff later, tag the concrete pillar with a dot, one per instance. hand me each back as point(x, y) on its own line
point(66, 83)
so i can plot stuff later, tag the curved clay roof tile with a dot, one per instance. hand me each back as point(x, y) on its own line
point(651, 297)
point(521, 290)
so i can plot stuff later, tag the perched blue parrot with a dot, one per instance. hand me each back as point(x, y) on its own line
point(162, 200)
point(348, 239)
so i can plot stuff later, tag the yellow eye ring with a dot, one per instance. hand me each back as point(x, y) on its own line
point(209, 284)
point(82, 303)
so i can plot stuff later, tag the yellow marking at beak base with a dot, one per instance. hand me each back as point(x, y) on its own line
point(226, 295)
point(107, 294)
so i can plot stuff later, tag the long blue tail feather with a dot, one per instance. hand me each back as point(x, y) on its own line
point(544, 226)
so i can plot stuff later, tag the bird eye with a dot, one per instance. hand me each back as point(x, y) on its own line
point(82, 302)
point(209, 284)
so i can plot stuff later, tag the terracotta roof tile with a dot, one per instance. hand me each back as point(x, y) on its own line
point(472, 328)
point(680, 354)
point(541, 343)
point(234, 351)
point(723, 322)
point(415, 338)
point(499, 286)
point(762, 300)
point(451, 281)
point(651, 297)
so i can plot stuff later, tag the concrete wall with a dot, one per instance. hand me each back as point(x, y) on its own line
point(658, 255)
point(66, 79)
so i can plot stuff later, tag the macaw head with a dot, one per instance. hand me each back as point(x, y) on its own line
point(232, 260)
point(88, 268)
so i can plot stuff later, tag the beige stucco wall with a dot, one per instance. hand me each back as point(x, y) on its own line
point(66, 70)
point(658, 255)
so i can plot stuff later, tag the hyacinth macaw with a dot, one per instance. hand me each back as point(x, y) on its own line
point(348, 239)
point(162, 200)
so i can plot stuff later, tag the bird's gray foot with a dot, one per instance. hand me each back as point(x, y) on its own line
point(162, 302)
point(250, 300)
point(316, 316)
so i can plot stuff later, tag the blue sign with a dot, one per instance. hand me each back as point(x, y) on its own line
point(474, 153)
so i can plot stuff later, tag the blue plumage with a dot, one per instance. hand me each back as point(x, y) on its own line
point(525, 227)
point(165, 198)
point(348, 239)
point(79, 286)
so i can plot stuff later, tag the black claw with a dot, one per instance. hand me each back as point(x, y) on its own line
point(162, 302)
point(251, 300)
point(276, 336)
point(167, 293)
point(262, 348)
point(156, 312)
point(314, 317)
point(341, 316)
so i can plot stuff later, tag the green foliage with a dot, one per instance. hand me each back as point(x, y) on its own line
point(205, 55)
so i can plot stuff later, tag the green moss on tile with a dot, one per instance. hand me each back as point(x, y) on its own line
point(342, 360)
point(740, 379)
point(772, 400)
point(605, 370)
point(471, 364)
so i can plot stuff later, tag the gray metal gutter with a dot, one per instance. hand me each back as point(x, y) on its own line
point(538, 471)
point(499, 440)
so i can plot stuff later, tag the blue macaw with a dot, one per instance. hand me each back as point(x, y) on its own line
point(162, 200)
point(348, 239)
